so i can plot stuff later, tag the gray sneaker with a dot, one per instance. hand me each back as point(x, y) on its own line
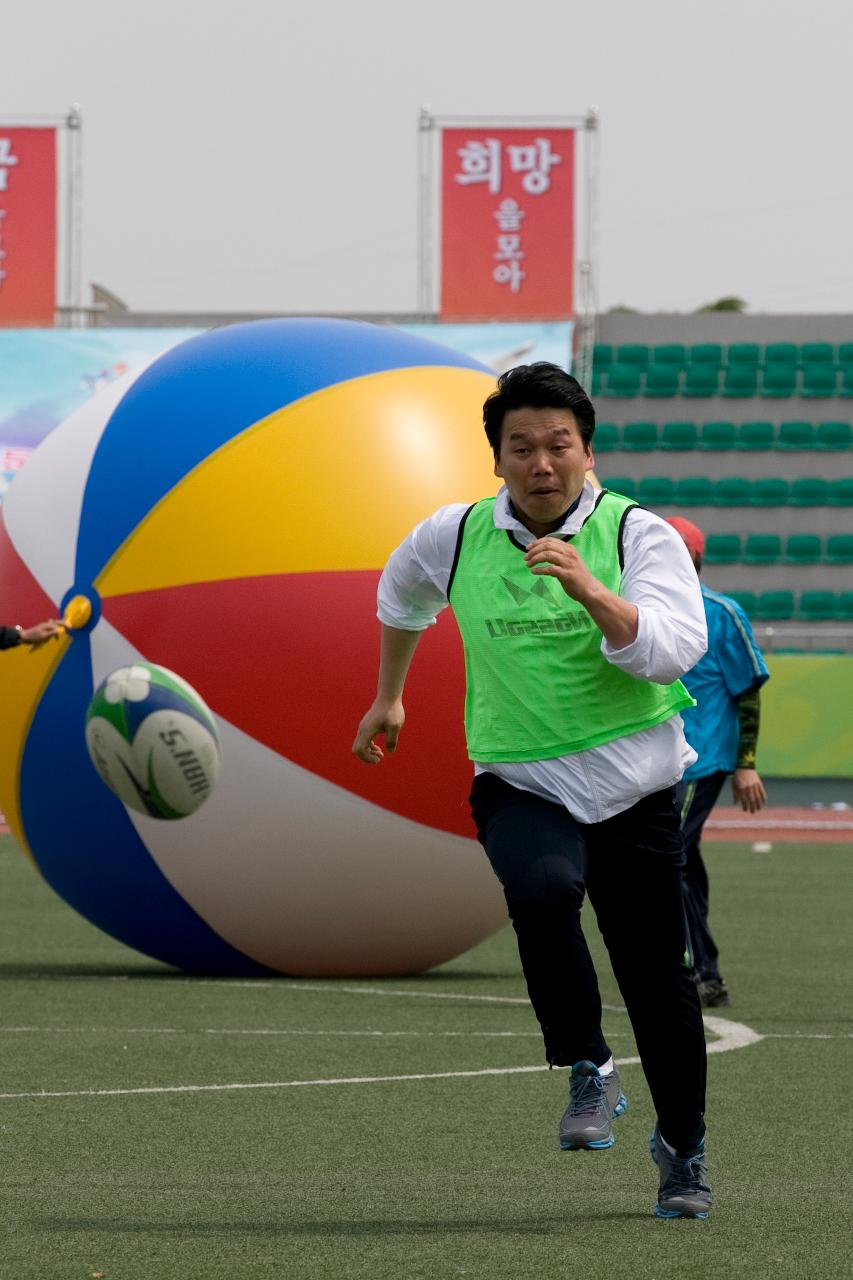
point(594, 1102)
point(684, 1190)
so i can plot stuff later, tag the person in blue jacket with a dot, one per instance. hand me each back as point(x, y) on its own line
point(723, 730)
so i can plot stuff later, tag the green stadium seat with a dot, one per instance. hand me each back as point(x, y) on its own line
point(722, 548)
point(817, 353)
point(707, 353)
point(602, 355)
point(669, 353)
point(775, 605)
point(795, 435)
point(606, 438)
point(743, 353)
point(803, 548)
point(656, 491)
point(833, 435)
point(755, 435)
point(844, 609)
point(770, 491)
point(640, 437)
point(740, 381)
point(779, 380)
point(597, 384)
point(746, 600)
point(809, 491)
point(840, 492)
point(662, 380)
point(818, 381)
point(781, 353)
point(717, 435)
point(694, 491)
point(733, 491)
point(624, 380)
point(845, 388)
point(700, 381)
point(679, 436)
point(845, 353)
point(762, 548)
point(633, 353)
point(626, 485)
point(839, 548)
point(818, 606)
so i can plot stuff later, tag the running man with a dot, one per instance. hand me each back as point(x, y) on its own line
point(579, 611)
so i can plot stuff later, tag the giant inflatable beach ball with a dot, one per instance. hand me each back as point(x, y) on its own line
point(226, 511)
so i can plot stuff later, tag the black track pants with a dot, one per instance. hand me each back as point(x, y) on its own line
point(631, 866)
point(696, 800)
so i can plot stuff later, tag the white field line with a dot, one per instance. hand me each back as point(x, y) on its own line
point(331, 989)
point(733, 1035)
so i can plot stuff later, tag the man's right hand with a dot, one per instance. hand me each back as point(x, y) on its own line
point(383, 717)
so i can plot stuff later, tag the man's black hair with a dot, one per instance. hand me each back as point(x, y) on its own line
point(537, 386)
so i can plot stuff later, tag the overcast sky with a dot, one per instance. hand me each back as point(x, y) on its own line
point(262, 155)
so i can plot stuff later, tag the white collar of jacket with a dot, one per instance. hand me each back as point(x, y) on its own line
point(504, 517)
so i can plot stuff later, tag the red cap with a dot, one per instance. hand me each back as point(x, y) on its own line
point(692, 535)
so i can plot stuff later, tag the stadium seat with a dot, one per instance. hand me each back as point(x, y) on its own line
point(672, 353)
point(818, 606)
point(733, 491)
point(633, 353)
point(845, 389)
point(694, 491)
point(722, 548)
point(740, 381)
point(678, 436)
point(803, 548)
point(839, 548)
point(597, 384)
point(817, 353)
point(779, 380)
point(606, 437)
point(602, 355)
point(624, 380)
point(840, 492)
point(707, 353)
point(743, 353)
point(845, 353)
point(776, 353)
point(762, 548)
point(662, 380)
point(833, 435)
point(818, 381)
point(746, 600)
point(700, 381)
point(640, 437)
point(656, 491)
point(770, 491)
point(795, 435)
point(808, 491)
point(717, 435)
point(625, 485)
point(775, 605)
point(755, 435)
point(844, 606)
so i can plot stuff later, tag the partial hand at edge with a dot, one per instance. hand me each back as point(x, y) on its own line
point(382, 718)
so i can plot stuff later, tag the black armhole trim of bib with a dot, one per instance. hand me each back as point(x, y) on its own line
point(619, 535)
point(458, 549)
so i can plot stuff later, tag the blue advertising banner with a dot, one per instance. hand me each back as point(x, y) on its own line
point(45, 374)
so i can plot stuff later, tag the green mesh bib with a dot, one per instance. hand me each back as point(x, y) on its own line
point(538, 685)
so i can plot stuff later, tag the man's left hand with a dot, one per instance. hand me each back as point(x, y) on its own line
point(559, 560)
point(748, 790)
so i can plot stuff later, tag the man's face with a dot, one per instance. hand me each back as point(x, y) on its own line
point(543, 462)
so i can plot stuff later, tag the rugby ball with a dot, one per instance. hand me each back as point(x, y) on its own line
point(153, 741)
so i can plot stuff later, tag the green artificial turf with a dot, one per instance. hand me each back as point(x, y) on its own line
point(432, 1178)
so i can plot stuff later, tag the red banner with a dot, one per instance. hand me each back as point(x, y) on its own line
point(507, 224)
point(27, 227)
